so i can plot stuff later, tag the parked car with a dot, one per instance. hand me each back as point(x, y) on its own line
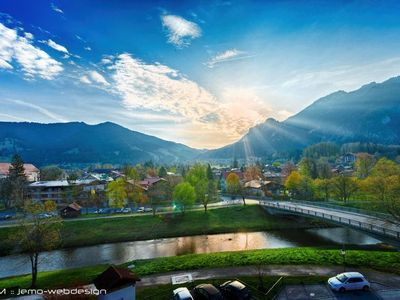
point(349, 281)
point(44, 216)
point(5, 217)
point(140, 209)
point(235, 290)
point(126, 210)
point(148, 209)
point(206, 291)
point(181, 293)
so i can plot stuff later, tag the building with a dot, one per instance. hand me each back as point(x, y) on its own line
point(64, 191)
point(149, 182)
point(117, 283)
point(73, 210)
point(31, 172)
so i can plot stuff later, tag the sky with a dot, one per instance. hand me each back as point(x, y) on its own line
point(196, 72)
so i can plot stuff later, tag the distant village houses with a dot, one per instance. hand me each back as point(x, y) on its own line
point(31, 172)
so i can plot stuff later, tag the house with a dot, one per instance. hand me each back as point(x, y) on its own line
point(149, 182)
point(349, 158)
point(31, 172)
point(73, 210)
point(119, 283)
point(64, 191)
point(255, 187)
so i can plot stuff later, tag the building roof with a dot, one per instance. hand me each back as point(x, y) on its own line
point(237, 172)
point(74, 206)
point(51, 183)
point(29, 168)
point(114, 277)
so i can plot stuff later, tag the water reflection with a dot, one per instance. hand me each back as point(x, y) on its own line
point(122, 252)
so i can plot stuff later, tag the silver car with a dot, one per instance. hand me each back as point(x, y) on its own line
point(349, 281)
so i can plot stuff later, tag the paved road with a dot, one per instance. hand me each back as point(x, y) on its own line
point(391, 280)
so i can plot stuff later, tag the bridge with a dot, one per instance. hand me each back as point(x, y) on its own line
point(375, 224)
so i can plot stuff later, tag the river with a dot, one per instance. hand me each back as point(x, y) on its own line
point(117, 253)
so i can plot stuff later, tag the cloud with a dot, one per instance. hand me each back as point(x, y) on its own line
point(55, 46)
point(4, 64)
point(28, 35)
point(161, 89)
point(98, 78)
point(228, 55)
point(87, 48)
point(180, 31)
point(38, 108)
point(85, 79)
point(32, 60)
point(56, 9)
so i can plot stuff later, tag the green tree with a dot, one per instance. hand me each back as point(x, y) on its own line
point(344, 187)
point(131, 173)
point(162, 172)
point(197, 177)
point(184, 196)
point(116, 193)
point(37, 234)
point(51, 173)
point(385, 168)
point(323, 188)
point(18, 180)
point(210, 175)
point(6, 189)
point(308, 168)
point(364, 164)
point(323, 169)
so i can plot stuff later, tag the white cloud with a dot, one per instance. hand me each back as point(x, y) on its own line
point(40, 109)
point(85, 79)
point(87, 48)
point(28, 35)
point(56, 46)
point(228, 55)
point(158, 88)
point(98, 78)
point(56, 9)
point(180, 31)
point(4, 64)
point(32, 60)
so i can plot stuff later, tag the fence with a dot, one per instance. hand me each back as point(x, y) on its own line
point(334, 218)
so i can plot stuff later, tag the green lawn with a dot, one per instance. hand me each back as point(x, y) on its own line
point(379, 260)
point(131, 228)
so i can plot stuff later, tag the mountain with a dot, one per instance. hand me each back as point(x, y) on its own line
point(80, 143)
point(369, 114)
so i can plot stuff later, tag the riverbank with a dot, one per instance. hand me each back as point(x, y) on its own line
point(378, 260)
point(134, 228)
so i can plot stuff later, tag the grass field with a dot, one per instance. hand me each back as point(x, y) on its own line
point(379, 260)
point(131, 228)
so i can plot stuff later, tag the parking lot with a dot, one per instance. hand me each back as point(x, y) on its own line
point(323, 292)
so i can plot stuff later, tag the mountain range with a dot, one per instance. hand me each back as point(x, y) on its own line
point(369, 114)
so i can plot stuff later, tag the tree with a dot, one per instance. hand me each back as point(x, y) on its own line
point(116, 193)
point(385, 168)
point(323, 188)
point(197, 177)
point(36, 235)
point(252, 173)
point(212, 193)
point(210, 175)
point(235, 163)
point(308, 168)
point(293, 182)
point(323, 169)
point(364, 165)
point(184, 195)
point(131, 173)
point(6, 189)
point(51, 173)
point(18, 180)
point(233, 184)
point(287, 169)
point(159, 193)
point(344, 187)
point(162, 172)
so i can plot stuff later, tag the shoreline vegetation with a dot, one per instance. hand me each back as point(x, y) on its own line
point(387, 261)
point(249, 218)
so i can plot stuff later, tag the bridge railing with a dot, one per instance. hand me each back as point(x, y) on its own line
point(331, 217)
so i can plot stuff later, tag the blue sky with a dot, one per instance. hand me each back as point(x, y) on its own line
point(197, 72)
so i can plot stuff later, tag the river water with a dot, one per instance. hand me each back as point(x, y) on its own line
point(117, 253)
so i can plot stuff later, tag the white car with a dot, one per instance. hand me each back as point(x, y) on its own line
point(181, 293)
point(349, 281)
